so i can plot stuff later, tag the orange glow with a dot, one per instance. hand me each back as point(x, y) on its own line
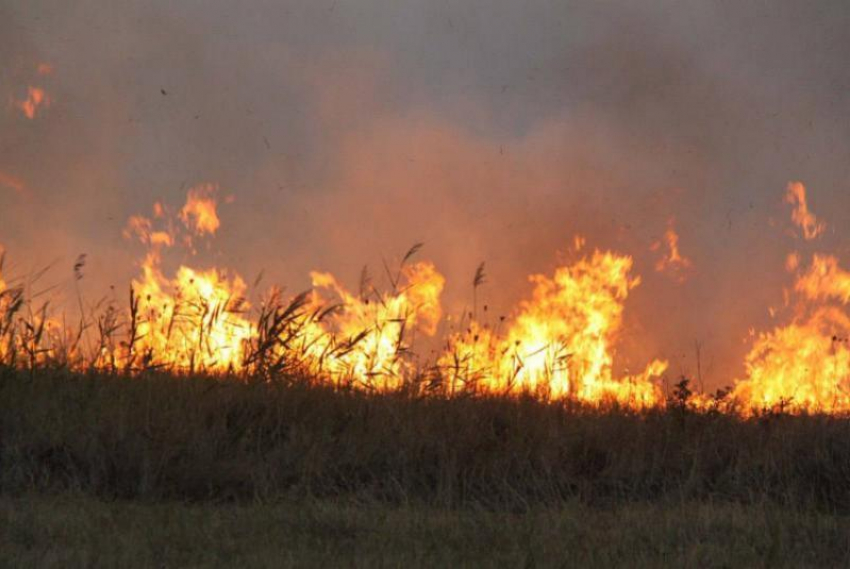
point(36, 99)
point(11, 182)
point(802, 216)
point(2, 258)
point(672, 262)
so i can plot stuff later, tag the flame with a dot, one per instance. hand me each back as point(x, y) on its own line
point(672, 261)
point(194, 320)
point(199, 212)
point(36, 99)
point(560, 342)
point(197, 319)
point(801, 216)
point(804, 365)
point(365, 341)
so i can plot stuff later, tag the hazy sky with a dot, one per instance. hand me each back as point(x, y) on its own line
point(347, 130)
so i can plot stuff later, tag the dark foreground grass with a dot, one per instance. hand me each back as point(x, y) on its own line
point(160, 437)
point(157, 470)
point(78, 531)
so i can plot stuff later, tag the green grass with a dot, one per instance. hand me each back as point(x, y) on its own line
point(77, 531)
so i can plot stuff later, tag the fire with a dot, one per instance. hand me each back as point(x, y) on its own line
point(198, 319)
point(365, 341)
point(672, 261)
point(199, 213)
point(194, 320)
point(560, 342)
point(802, 216)
point(36, 99)
point(805, 364)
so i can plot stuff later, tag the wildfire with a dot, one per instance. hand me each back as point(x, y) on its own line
point(193, 321)
point(560, 343)
point(365, 341)
point(801, 216)
point(804, 365)
point(198, 319)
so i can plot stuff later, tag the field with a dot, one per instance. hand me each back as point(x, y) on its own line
point(159, 470)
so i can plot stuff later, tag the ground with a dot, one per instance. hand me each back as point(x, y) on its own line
point(72, 530)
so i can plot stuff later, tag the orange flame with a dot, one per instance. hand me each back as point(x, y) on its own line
point(672, 261)
point(199, 212)
point(36, 99)
point(193, 321)
point(801, 216)
point(804, 365)
point(560, 343)
point(372, 332)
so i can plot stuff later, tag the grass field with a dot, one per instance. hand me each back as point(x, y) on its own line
point(78, 531)
point(155, 470)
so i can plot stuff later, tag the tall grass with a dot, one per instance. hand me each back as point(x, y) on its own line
point(155, 436)
point(73, 416)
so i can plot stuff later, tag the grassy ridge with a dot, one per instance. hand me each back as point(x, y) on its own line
point(155, 437)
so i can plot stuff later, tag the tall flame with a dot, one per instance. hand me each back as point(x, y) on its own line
point(804, 365)
point(192, 321)
point(560, 342)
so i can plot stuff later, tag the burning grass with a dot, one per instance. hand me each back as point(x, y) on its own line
point(559, 344)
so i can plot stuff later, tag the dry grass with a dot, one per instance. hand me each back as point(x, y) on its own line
point(159, 436)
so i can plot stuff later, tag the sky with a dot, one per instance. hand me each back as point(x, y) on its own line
point(345, 131)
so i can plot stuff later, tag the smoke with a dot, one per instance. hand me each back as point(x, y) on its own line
point(491, 131)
